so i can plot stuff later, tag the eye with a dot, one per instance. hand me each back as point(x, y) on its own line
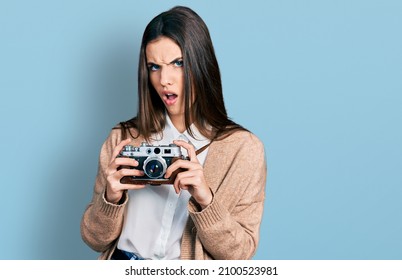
point(153, 67)
point(178, 63)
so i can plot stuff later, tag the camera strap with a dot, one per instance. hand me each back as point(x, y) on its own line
point(203, 148)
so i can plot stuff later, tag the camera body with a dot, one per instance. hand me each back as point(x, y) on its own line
point(154, 161)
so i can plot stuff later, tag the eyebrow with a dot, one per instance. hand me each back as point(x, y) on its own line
point(174, 60)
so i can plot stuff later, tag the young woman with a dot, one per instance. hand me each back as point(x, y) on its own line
point(214, 207)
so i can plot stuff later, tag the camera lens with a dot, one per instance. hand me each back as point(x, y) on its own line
point(154, 168)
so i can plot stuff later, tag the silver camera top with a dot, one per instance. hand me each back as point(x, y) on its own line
point(146, 150)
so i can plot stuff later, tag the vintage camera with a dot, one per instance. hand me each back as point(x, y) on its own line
point(154, 161)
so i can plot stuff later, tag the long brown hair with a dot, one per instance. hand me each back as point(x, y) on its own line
point(202, 79)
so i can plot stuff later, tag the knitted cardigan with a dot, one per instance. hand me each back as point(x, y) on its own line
point(228, 228)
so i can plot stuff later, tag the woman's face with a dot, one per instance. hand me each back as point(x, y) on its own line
point(165, 64)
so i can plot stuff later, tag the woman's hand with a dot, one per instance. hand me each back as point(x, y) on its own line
point(192, 179)
point(115, 189)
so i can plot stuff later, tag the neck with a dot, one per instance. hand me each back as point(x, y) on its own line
point(179, 123)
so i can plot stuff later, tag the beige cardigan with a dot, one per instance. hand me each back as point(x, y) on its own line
point(235, 170)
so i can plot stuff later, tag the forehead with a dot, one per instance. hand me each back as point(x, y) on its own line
point(162, 50)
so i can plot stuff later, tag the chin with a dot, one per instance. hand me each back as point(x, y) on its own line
point(175, 113)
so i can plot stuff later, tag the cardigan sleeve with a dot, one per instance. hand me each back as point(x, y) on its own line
point(229, 227)
point(102, 221)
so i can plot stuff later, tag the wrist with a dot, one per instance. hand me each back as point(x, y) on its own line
point(117, 200)
point(207, 201)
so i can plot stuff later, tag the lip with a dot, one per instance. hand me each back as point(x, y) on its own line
point(166, 97)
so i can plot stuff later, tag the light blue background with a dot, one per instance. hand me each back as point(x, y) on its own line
point(319, 82)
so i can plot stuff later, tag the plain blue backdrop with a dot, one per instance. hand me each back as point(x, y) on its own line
point(320, 82)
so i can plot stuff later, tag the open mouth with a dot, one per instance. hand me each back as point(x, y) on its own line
point(169, 98)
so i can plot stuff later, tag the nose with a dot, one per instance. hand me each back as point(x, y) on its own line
point(166, 78)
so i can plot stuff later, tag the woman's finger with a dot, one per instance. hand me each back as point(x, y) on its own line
point(190, 149)
point(117, 162)
point(119, 147)
point(192, 178)
point(183, 164)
